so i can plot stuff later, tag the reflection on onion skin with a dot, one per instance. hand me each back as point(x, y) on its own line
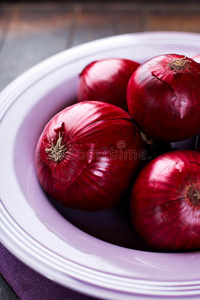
point(165, 202)
point(88, 155)
point(106, 80)
point(163, 97)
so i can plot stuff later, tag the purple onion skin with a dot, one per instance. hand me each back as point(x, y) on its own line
point(106, 80)
point(165, 202)
point(99, 155)
point(163, 97)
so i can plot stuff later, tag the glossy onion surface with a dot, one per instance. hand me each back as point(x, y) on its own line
point(106, 80)
point(88, 154)
point(163, 97)
point(165, 202)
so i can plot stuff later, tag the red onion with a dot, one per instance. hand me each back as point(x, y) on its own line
point(163, 97)
point(165, 201)
point(197, 58)
point(106, 80)
point(88, 154)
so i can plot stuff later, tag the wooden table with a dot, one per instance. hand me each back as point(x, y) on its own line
point(32, 32)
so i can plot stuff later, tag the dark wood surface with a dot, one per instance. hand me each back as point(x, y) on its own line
point(31, 32)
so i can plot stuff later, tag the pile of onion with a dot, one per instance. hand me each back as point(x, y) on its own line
point(106, 80)
point(88, 155)
point(91, 153)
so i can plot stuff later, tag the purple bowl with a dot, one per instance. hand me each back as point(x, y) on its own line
point(99, 254)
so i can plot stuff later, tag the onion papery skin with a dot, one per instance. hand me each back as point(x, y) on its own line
point(197, 58)
point(165, 102)
point(106, 80)
point(163, 207)
point(102, 155)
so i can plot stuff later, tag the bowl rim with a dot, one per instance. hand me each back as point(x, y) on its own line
point(68, 272)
